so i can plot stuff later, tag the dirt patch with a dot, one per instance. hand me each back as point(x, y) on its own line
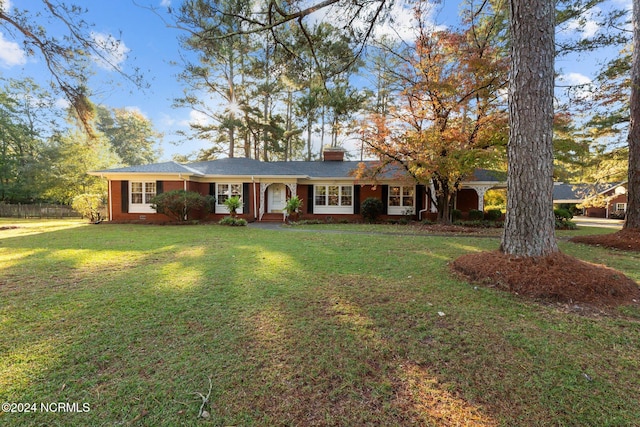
point(8, 227)
point(626, 240)
point(558, 278)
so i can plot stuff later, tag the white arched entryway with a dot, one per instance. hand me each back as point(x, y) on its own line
point(274, 196)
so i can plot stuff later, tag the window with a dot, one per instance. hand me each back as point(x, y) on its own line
point(321, 195)
point(401, 200)
point(333, 199)
point(621, 207)
point(141, 194)
point(223, 192)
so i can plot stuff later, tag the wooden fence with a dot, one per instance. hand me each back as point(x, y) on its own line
point(37, 210)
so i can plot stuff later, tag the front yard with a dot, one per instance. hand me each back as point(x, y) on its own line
point(125, 324)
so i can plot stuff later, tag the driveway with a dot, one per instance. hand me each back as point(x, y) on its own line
point(585, 221)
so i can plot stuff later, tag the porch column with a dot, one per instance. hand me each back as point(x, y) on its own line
point(481, 190)
point(432, 192)
point(293, 188)
point(263, 190)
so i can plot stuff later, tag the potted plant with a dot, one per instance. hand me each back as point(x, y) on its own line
point(233, 204)
point(293, 207)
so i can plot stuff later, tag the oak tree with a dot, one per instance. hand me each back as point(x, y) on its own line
point(449, 118)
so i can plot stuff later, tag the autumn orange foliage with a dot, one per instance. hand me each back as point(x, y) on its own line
point(450, 117)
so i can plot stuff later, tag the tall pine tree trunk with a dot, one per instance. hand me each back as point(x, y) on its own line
point(529, 228)
point(231, 131)
point(632, 220)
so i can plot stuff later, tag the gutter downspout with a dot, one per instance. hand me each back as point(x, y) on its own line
point(184, 182)
point(184, 187)
point(420, 213)
point(109, 201)
point(426, 199)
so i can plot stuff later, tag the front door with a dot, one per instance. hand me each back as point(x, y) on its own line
point(277, 197)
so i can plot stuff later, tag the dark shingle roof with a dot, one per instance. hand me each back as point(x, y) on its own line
point(166, 167)
point(241, 166)
point(488, 175)
point(580, 192)
point(562, 191)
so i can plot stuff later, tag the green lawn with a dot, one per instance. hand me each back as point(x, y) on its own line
point(294, 328)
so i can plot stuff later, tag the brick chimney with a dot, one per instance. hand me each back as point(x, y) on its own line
point(333, 154)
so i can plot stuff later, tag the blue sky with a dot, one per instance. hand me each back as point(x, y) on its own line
point(151, 46)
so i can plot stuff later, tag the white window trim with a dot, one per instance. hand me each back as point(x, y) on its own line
point(621, 207)
point(221, 208)
point(141, 207)
point(336, 210)
point(401, 210)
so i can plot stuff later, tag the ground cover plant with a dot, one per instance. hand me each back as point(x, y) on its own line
point(296, 328)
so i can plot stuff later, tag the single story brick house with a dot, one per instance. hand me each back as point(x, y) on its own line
point(327, 188)
point(611, 198)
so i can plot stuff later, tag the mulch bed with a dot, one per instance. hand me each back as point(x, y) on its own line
point(558, 278)
point(626, 240)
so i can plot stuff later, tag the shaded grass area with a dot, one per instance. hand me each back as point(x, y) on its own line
point(295, 329)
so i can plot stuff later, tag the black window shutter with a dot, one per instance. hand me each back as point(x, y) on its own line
point(245, 197)
point(124, 196)
point(385, 199)
point(356, 199)
point(421, 190)
point(311, 201)
point(159, 187)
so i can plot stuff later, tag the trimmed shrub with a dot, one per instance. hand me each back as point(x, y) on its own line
point(562, 214)
point(233, 222)
point(178, 204)
point(493, 214)
point(563, 219)
point(371, 209)
point(476, 215)
point(210, 203)
point(456, 214)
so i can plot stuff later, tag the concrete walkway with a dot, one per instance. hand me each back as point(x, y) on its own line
point(266, 225)
point(585, 221)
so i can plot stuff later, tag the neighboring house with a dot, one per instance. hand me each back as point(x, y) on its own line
point(327, 188)
point(607, 200)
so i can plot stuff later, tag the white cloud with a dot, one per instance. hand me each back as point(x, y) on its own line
point(10, 53)
point(137, 110)
point(113, 52)
point(577, 86)
point(586, 24)
point(5, 5)
point(400, 24)
point(402, 21)
point(62, 103)
point(198, 118)
point(167, 121)
point(165, 3)
point(574, 79)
